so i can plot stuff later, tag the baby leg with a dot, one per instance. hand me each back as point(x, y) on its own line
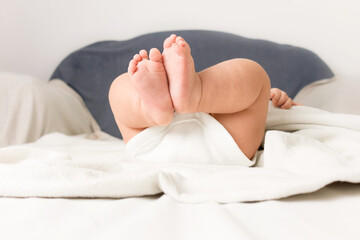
point(235, 92)
point(140, 98)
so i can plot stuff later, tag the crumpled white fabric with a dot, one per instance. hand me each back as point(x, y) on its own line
point(304, 150)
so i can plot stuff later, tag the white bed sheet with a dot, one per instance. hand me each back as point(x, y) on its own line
point(331, 213)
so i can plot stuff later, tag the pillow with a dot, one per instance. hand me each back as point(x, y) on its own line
point(91, 70)
point(339, 96)
point(30, 108)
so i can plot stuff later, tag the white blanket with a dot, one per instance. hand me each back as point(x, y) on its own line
point(313, 148)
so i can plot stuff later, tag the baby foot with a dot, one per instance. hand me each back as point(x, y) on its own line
point(149, 78)
point(184, 83)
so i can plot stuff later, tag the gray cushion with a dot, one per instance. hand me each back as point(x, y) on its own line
point(91, 70)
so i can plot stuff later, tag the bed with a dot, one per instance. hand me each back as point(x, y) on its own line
point(61, 176)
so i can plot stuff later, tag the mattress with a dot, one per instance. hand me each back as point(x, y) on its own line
point(331, 213)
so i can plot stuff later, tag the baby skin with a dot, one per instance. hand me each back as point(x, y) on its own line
point(235, 92)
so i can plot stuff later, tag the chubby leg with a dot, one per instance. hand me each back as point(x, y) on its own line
point(140, 98)
point(235, 92)
point(241, 105)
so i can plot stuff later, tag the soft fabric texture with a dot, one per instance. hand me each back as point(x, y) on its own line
point(340, 95)
point(91, 70)
point(193, 137)
point(31, 108)
point(317, 148)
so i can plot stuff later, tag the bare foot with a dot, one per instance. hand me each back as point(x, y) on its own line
point(149, 78)
point(184, 83)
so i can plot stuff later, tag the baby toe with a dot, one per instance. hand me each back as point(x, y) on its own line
point(132, 67)
point(155, 55)
point(137, 57)
point(169, 41)
point(143, 53)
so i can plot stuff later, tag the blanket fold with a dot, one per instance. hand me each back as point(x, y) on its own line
point(304, 150)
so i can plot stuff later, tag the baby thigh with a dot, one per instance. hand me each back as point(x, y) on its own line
point(247, 127)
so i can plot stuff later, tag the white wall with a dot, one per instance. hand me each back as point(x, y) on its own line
point(35, 35)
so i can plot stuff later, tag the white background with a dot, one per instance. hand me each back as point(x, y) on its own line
point(35, 35)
